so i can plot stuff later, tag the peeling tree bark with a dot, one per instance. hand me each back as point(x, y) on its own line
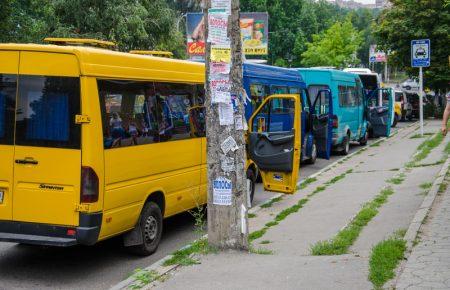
point(225, 222)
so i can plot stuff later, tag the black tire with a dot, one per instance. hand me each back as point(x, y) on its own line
point(313, 157)
point(252, 180)
point(395, 121)
point(151, 225)
point(365, 138)
point(346, 145)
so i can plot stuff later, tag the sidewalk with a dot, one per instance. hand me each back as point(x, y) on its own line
point(329, 207)
point(428, 267)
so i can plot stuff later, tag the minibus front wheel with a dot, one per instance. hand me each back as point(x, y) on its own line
point(150, 228)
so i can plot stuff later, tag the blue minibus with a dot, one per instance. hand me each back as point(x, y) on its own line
point(349, 111)
point(261, 81)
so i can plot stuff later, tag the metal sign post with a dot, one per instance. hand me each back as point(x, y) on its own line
point(420, 57)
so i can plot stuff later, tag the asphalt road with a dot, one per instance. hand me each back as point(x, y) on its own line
point(107, 263)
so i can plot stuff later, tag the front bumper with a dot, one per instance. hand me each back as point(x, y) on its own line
point(51, 235)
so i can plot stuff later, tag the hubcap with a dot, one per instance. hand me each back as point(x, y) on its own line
point(151, 229)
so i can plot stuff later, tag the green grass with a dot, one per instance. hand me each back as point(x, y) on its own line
point(183, 256)
point(261, 251)
point(339, 177)
point(447, 149)
point(442, 187)
point(143, 278)
point(251, 215)
point(272, 201)
point(425, 148)
point(397, 180)
point(318, 189)
point(307, 182)
point(417, 136)
point(385, 257)
point(347, 236)
point(265, 242)
point(426, 185)
point(375, 144)
point(271, 224)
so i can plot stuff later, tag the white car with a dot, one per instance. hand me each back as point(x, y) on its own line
point(410, 85)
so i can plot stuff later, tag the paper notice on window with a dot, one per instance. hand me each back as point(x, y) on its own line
point(226, 114)
point(221, 53)
point(229, 144)
point(222, 4)
point(220, 89)
point(238, 124)
point(222, 191)
point(218, 27)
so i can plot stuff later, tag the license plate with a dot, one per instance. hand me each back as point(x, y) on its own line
point(1, 197)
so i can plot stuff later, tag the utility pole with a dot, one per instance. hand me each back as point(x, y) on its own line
point(225, 125)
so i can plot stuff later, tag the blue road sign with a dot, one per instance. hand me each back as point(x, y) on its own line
point(420, 53)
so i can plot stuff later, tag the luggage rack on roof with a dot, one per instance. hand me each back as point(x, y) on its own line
point(81, 42)
point(153, 53)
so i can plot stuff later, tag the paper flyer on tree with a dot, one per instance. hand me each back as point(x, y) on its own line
point(222, 4)
point(222, 188)
point(220, 89)
point(226, 114)
point(218, 27)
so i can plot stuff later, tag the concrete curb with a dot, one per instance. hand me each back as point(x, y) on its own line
point(163, 270)
point(420, 216)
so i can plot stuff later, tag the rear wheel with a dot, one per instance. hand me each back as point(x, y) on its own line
point(313, 157)
point(364, 139)
point(251, 184)
point(346, 145)
point(150, 223)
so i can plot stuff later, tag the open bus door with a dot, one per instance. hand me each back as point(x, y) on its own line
point(379, 106)
point(322, 122)
point(274, 141)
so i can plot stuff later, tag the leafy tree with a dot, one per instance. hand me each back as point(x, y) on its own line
point(132, 24)
point(407, 20)
point(364, 20)
point(337, 46)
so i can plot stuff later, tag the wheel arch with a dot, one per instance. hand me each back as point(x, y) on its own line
point(157, 197)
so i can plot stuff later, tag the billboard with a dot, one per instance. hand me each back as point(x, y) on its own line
point(254, 33)
point(376, 55)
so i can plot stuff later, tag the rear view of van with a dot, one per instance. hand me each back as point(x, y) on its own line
point(42, 180)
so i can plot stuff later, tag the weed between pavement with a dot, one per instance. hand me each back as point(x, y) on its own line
point(385, 257)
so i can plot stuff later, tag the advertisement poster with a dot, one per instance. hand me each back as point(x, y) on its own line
point(376, 55)
point(218, 24)
point(222, 188)
point(254, 32)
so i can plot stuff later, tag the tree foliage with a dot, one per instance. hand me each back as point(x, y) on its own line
point(407, 20)
point(132, 24)
point(337, 46)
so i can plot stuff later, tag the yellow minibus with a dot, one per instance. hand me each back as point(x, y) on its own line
point(95, 143)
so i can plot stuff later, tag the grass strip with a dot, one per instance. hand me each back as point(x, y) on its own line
point(417, 136)
point(183, 256)
point(271, 202)
point(347, 236)
point(425, 148)
point(385, 257)
point(295, 208)
point(397, 180)
point(307, 182)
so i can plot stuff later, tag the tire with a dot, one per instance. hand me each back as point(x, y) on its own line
point(346, 145)
point(395, 121)
point(313, 157)
point(151, 225)
point(251, 180)
point(365, 138)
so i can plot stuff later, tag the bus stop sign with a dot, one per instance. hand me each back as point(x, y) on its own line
point(420, 53)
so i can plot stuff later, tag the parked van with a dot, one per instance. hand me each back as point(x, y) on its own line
point(348, 121)
point(96, 143)
point(405, 106)
point(260, 81)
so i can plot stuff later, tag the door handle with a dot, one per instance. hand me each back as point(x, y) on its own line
point(27, 160)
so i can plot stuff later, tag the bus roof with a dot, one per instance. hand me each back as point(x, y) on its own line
point(271, 72)
point(106, 63)
point(332, 74)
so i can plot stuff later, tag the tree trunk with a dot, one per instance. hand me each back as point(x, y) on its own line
point(227, 224)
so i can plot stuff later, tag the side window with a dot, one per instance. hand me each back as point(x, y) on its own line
point(276, 115)
point(46, 109)
point(8, 87)
point(323, 103)
point(129, 111)
point(348, 96)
